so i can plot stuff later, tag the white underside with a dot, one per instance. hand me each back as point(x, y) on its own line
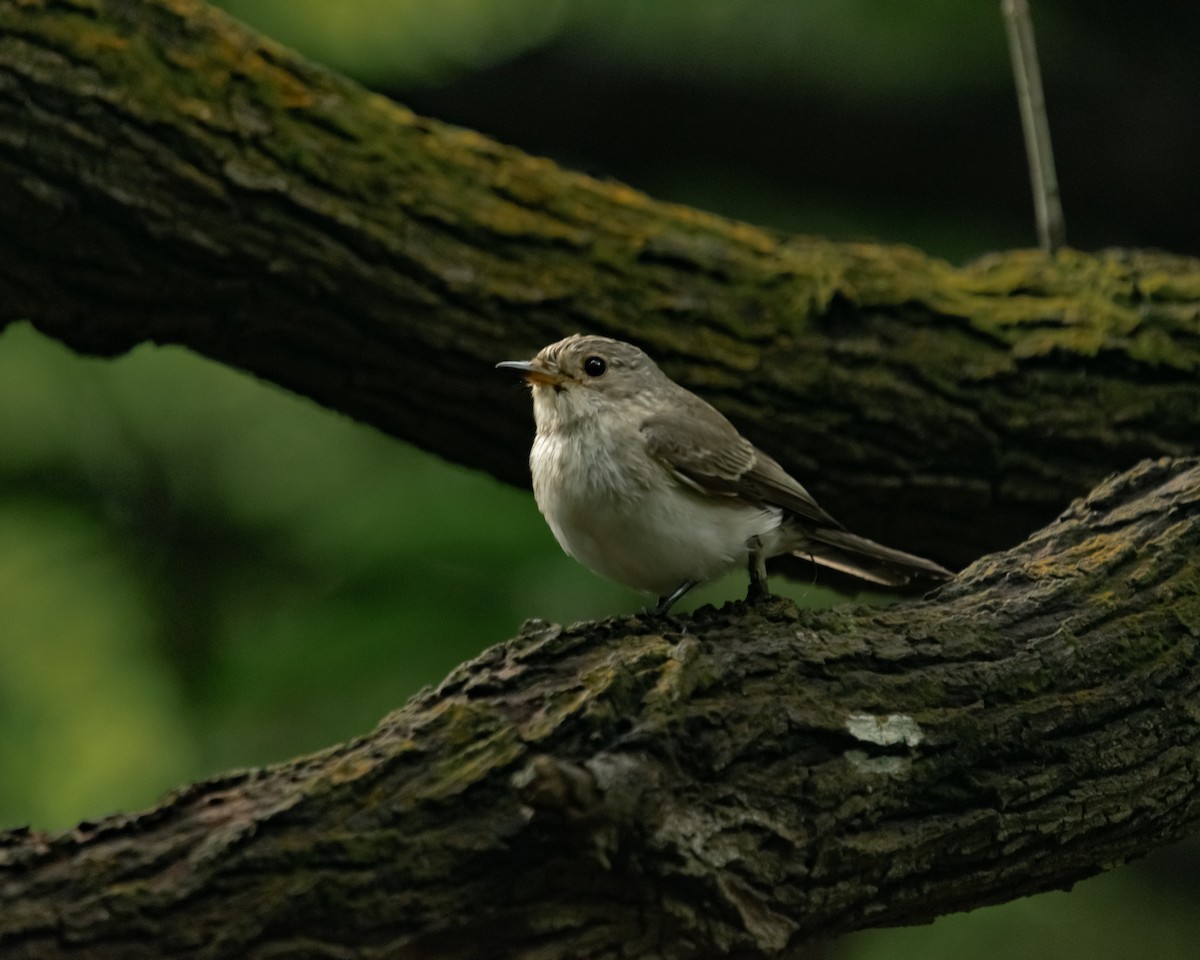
point(636, 523)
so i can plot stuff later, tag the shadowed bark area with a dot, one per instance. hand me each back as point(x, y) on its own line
point(742, 780)
point(168, 176)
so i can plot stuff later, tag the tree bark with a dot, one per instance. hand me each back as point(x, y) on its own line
point(738, 782)
point(167, 176)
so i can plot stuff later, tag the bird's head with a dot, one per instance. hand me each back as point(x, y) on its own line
point(584, 376)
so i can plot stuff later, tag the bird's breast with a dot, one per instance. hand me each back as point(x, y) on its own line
point(620, 513)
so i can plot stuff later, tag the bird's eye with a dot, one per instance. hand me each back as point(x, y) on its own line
point(594, 366)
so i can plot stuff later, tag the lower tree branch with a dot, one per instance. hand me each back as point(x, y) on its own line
point(741, 780)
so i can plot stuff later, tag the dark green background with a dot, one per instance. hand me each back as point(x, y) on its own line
point(200, 571)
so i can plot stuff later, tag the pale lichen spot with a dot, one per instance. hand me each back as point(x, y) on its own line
point(885, 731)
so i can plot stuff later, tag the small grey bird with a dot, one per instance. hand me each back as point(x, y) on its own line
point(646, 484)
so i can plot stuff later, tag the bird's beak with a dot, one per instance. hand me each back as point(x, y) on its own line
point(533, 371)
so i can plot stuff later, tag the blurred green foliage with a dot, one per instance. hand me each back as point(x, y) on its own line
point(911, 48)
point(90, 716)
point(381, 40)
point(198, 570)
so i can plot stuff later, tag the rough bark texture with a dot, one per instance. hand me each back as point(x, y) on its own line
point(168, 176)
point(742, 781)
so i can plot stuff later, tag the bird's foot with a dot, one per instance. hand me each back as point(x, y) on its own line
point(756, 564)
point(665, 603)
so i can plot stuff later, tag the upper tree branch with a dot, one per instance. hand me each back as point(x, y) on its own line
point(745, 780)
point(168, 176)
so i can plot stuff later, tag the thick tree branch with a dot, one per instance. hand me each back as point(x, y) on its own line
point(168, 176)
point(744, 780)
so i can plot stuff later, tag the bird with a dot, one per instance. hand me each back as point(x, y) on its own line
point(646, 484)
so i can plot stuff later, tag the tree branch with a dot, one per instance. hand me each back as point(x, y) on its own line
point(167, 176)
point(745, 780)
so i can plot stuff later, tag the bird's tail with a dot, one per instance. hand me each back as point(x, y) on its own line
point(867, 559)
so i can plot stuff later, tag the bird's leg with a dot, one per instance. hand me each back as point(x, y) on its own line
point(664, 603)
point(757, 565)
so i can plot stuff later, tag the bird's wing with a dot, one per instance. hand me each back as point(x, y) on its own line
point(703, 450)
